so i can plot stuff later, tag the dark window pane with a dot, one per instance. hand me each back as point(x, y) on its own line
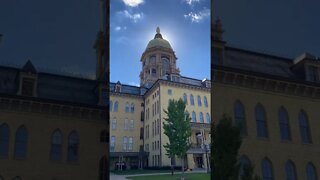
point(20, 150)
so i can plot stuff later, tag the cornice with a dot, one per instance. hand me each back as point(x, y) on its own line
point(126, 95)
point(265, 83)
point(54, 109)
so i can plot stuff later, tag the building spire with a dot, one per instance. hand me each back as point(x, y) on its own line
point(218, 30)
point(158, 35)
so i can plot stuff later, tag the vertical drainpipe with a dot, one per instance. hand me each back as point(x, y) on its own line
point(160, 124)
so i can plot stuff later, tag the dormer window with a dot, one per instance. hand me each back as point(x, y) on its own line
point(313, 73)
point(118, 87)
point(28, 85)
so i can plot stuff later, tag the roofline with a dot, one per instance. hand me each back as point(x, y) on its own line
point(126, 85)
point(53, 101)
point(164, 80)
point(260, 53)
point(51, 74)
point(270, 76)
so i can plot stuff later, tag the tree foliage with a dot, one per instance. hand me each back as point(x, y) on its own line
point(226, 143)
point(178, 129)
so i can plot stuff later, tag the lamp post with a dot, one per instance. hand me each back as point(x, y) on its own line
point(206, 148)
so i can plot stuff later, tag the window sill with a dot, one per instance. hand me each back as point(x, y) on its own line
point(286, 141)
point(263, 138)
point(306, 144)
point(19, 159)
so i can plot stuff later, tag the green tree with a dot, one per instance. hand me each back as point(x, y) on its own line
point(226, 143)
point(178, 129)
point(248, 173)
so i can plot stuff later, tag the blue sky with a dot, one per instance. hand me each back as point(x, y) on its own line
point(184, 23)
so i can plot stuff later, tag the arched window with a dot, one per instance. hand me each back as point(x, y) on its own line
point(4, 140)
point(199, 101)
point(116, 104)
point(208, 118)
point(304, 128)
point(240, 117)
point(262, 130)
point(194, 118)
point(311, 172)
point(104, 136)
point(201, 117)
point(284, 124)
point(191, 100)
point(110, 105)
point(205, 101)
point(291, 171)
point(20, 148)
point(267, 172)
point(185, 98)
point(73, 146)
point(244, 165)
point(56, 145)
point(127, 107)
point(132, 108)
point(103, 169)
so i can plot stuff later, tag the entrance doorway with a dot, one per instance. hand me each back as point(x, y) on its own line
point(198, 159)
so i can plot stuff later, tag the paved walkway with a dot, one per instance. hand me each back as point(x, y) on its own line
point(124, 177)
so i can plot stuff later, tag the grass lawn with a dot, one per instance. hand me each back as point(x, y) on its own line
point(139, 171)
point(189, 176)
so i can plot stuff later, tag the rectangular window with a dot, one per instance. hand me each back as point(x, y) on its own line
point(131, 125)
point(27, 87)
point(113, 143)
point(130, 144)
point(124, 145)
point(152, 128)
point(126, 124)
point(154, 72)
point(114, 124)
point(169, 91)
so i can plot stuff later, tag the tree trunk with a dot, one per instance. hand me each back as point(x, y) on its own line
point(182, 178)
point(171, 170)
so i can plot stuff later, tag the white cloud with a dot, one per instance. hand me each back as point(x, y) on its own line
point(197, 17)
point(134, 17)
point(117, 28)
point(190, 2)
point(134, 84)
point(132, 3)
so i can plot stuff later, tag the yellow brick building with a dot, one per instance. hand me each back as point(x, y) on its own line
point(276, 100)
point(160, 81)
